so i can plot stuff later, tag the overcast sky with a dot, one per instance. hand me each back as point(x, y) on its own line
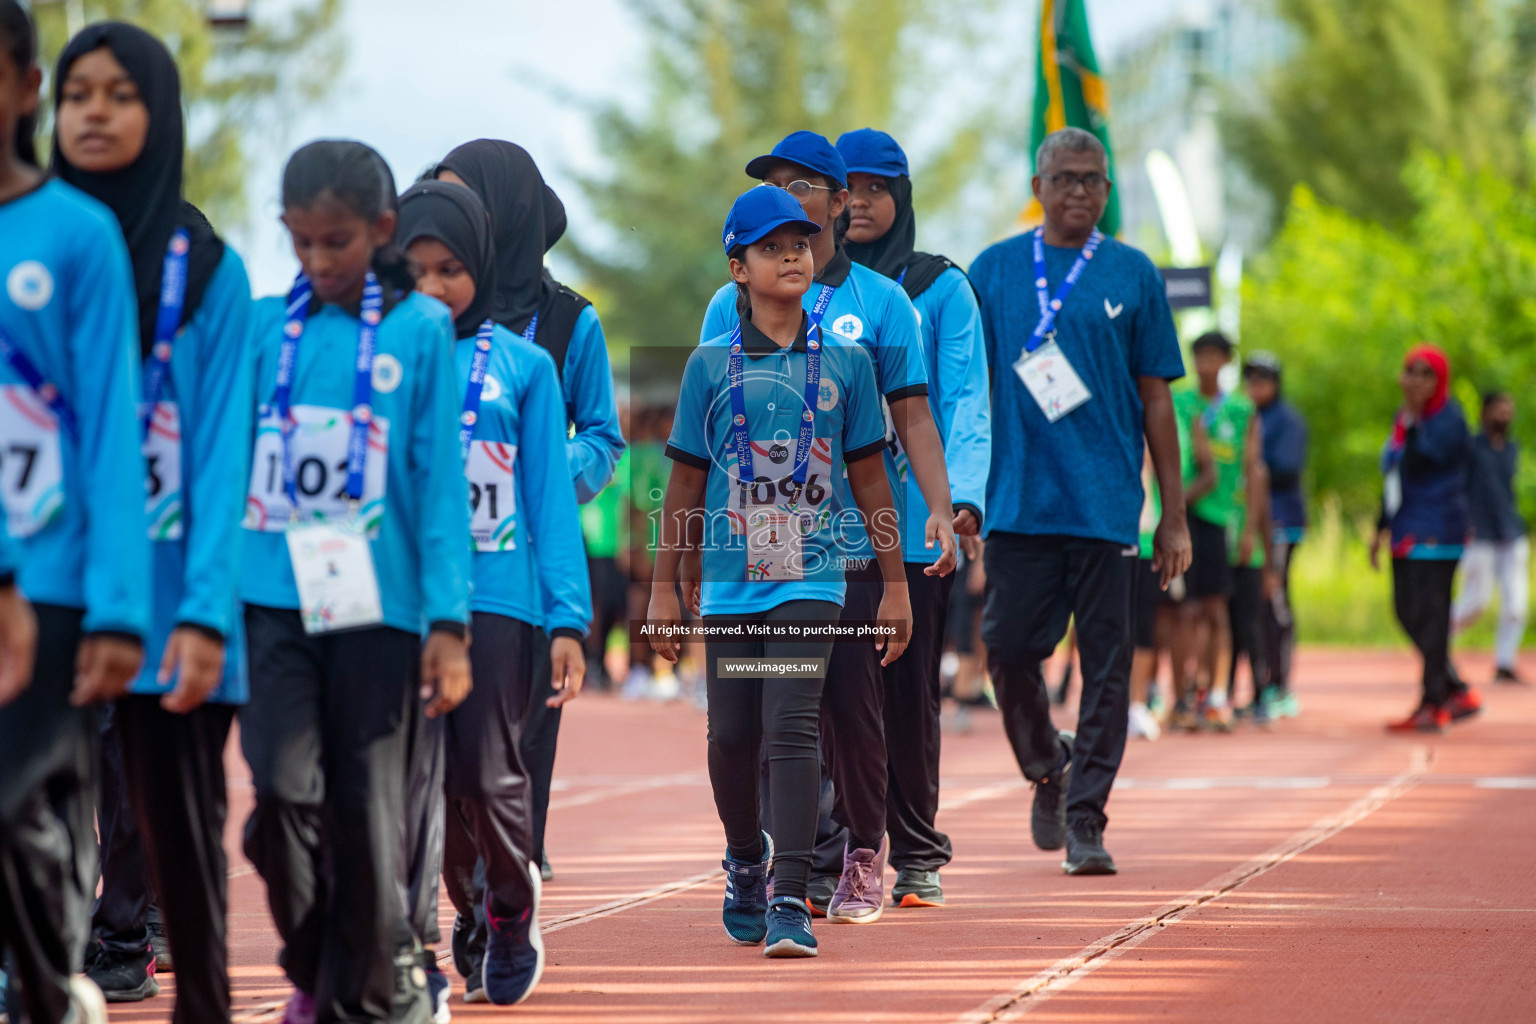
point(416, 84)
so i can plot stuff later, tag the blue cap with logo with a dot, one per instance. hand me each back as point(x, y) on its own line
point(872, 152)
point(758, 212)
point(809, 150)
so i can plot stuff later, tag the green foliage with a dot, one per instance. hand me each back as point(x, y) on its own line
point(1341, 299)
point(1373, 81)
point(726, 80)
point(235, 89)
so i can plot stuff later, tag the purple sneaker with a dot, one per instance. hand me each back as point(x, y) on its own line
point(860, 896)
point(301, 1008)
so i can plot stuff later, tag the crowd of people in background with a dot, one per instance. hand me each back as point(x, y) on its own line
point(422, 444)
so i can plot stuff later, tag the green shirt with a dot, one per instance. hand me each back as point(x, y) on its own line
point(602, 518)
point(1227, 431)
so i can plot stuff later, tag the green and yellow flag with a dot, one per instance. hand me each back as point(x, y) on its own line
point(1069, 90)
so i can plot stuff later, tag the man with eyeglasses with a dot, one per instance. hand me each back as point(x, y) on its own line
point(1082, 346)
point(873, 310)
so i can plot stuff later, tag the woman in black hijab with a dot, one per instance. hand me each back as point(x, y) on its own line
point(527, 219)
point(119, 137)
point(146, 193)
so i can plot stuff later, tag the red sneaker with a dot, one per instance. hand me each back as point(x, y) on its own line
point(1464, 704)
point(1425, 719)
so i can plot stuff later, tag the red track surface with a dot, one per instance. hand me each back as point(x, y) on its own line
point(1320, 871)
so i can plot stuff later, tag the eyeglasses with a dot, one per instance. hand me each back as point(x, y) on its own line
point(1067, 181)
point(799, 189)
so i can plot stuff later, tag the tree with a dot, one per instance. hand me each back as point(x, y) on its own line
point(234, 89)
point(1341, 299)
point(1372, 81)
point(729, 78)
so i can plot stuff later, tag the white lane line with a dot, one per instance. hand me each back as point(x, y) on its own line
point(1025, 996)
point(625, 789)
point(1506, 782)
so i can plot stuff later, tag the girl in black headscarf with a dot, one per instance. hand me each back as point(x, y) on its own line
point(119, 137)
point(881, 231)
point(527, 219)
point(529, 575)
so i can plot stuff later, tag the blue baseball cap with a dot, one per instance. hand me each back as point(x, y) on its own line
point(758, 212)
point(810, 151)
point(872, 152)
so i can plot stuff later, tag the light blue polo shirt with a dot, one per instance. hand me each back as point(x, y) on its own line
point(848, 424)
point(874, 311)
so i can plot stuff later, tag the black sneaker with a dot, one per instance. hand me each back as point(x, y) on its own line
point(546, 873)
point(413, 1002)
point(1085, 851)
point(1048, 819)
point(917, 887)
point(1508, 675)
point(162, 947)
point(125, 977)
point(819, 893)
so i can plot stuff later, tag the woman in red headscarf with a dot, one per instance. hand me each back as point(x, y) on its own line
point(1424, 520)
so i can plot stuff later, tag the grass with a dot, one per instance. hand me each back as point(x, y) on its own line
point(1338, 599)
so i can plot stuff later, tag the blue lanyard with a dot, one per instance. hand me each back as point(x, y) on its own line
point(477, 367)
point(173, 298)
point(33, 378)
point(1050, 308)
point(742, 437)
point(1209, 416)
point(299, 300)
point(901, 278)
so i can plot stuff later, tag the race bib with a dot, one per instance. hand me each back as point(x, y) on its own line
point(492, 495)
point(31, 461)
point(1050, 378)
point(774, 522)
point(893, 441)
point(1392, 493)
point(162, 473)
point(333, 568)
point(320, 466)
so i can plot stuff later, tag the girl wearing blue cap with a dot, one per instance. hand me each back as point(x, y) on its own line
point(767, 410)
point(69, 383)
point(881, 231)
point(861, 306)
point(119, 137)
point(357, 540)
point(528, 578)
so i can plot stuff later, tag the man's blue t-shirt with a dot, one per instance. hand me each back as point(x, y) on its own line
point(848, 427)
point(1079, 476)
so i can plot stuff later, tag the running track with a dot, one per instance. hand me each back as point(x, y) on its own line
point(1320, 871)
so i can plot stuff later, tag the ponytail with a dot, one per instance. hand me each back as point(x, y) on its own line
point(18, 38)
point(357, 176)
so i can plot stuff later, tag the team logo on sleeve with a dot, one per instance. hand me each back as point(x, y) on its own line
point(29, 285)
point(849, 326)
point(387, 373)
point(490, 390)
point(826, 398)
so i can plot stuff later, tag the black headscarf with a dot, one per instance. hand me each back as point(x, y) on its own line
point(893, 252)
point(509, 183)
point(454, 215)
point(145, 195)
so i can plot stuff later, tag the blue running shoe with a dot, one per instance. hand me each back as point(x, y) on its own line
point(514, 951)
point(789, 928)
point(438, 990)
point(746, 896)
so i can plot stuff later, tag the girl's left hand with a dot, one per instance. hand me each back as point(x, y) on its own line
point(104, 667)
point(568, 670)
point(896, 609)
point(445, 680)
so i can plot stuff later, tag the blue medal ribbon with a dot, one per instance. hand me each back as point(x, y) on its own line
point(477, 367)
point(173, 299)
point(1209, 416)
point(1050, 308)
point(33, 378)
point(300, 298)
point(743, 437)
